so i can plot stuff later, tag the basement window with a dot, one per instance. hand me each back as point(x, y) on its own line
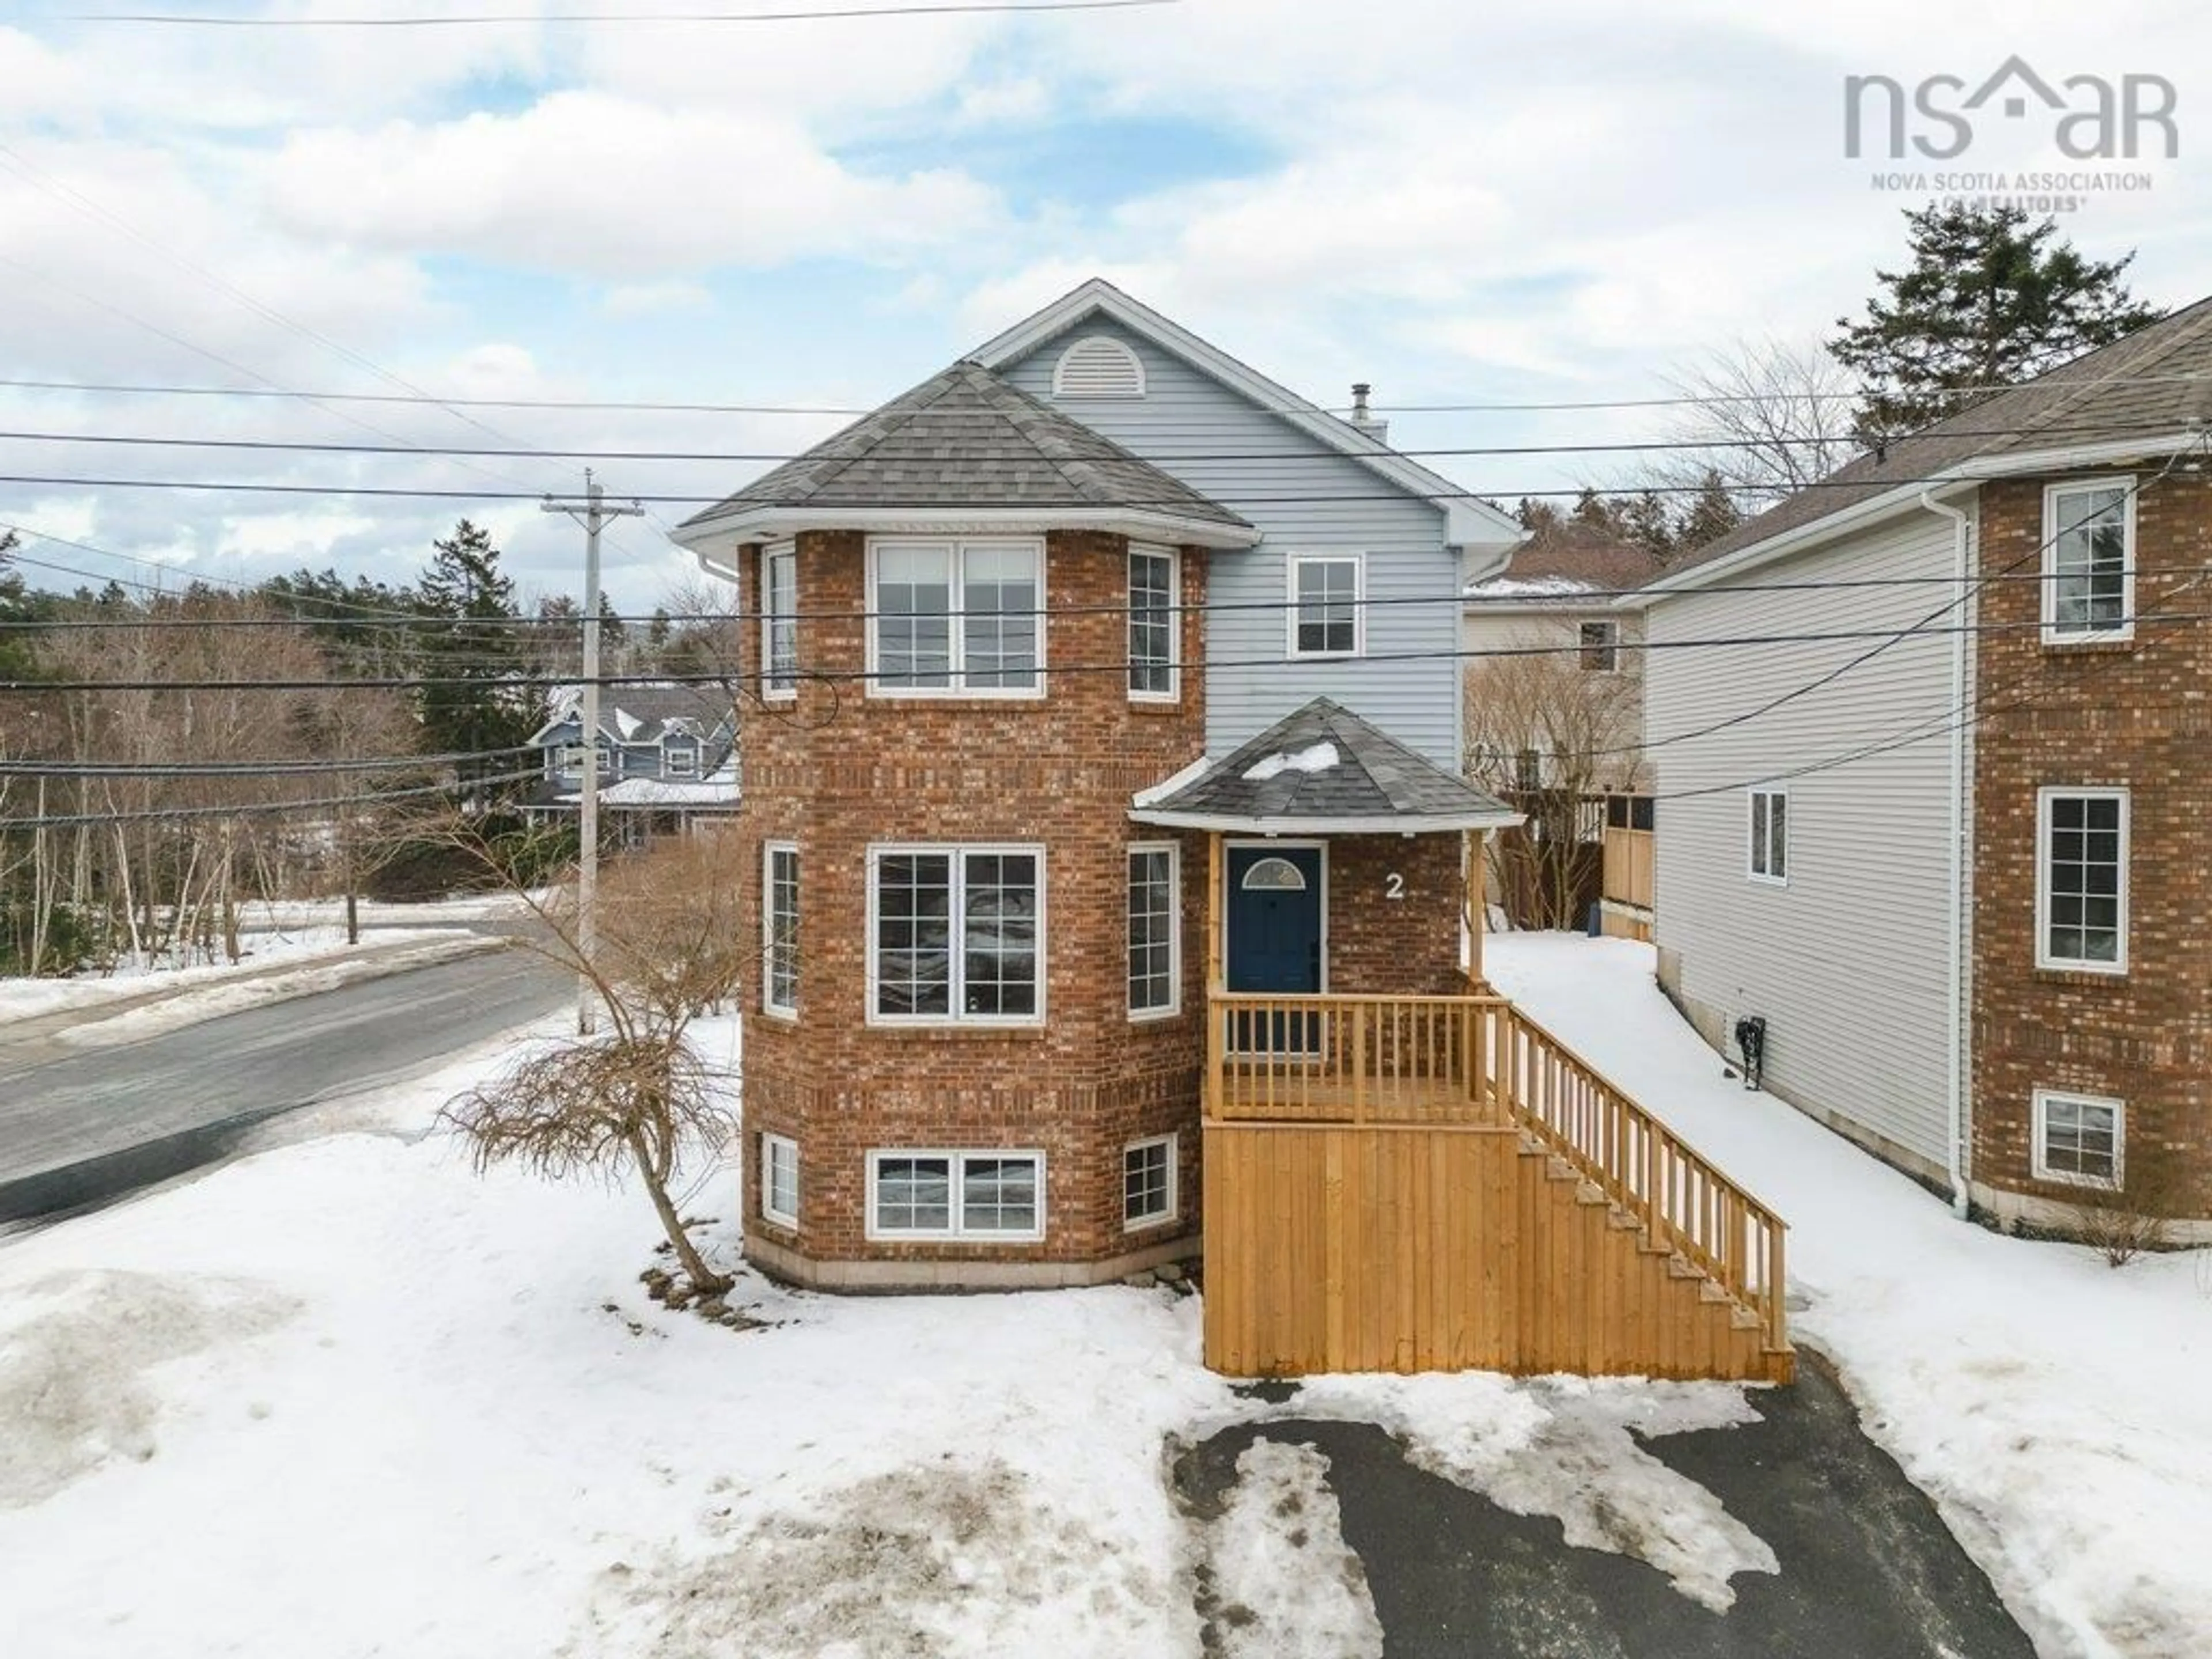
point(779, 1180)
point(1148, 1183)
point(997, 1196)
point(2078, 1138)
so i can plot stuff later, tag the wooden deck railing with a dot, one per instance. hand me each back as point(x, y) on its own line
point(1480, 1062)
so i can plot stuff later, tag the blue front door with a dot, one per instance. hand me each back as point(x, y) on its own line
point(1275, 945)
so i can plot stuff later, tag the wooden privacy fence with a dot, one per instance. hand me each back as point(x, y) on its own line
point(1449, 1162)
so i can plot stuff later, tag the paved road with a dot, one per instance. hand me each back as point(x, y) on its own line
point(1868, 1569)
point(89, 1128)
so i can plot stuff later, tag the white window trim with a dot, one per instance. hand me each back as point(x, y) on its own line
point(1174, 1211)
point(957, 637)
point(684, 748)
point(956, 851)
point(1751, 870)
point(957, 1158)
point(769, 689)
point(2044, 797)
point(1174, 556)
point(2042, 1171)
point(769, 1145)
point(1136, 364)
point(768, 1005)
point(1611, 648)
point(1173, 1008)
point(1359, 562)
point(2053, 493)
point(569, 759)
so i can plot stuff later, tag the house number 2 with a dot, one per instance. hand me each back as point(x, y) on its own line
point(1393, 885)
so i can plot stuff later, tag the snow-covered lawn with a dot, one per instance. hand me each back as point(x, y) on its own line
point(2060, 1412)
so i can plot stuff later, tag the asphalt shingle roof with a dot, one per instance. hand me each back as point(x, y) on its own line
point(966, 438)
point(2155, 381)
point(1372, 776)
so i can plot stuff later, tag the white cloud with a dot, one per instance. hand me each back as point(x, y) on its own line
point(651, 299)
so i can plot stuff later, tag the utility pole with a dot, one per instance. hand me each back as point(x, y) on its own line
point(595, 514)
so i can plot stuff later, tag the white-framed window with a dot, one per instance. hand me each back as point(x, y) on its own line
point(1769, 858)
point(571, 758)
point(780, 928)
point(989, 1196)
point(779, 1180)
point(955, 935)
point(955, 617)
point(1098, 366)
point(1600, 646)
point(2080, 1139)
point(2081, 880)
point(2088, 560)
point(1148, 1182)
point(779, 597)
point(1155, 625)
point(1328, 615)
point(1155, 930)
point(680, 760)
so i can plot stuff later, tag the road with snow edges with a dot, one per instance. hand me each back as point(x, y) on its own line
point(94, 1126)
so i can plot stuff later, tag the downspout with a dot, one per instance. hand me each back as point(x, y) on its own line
point(1954, 1020)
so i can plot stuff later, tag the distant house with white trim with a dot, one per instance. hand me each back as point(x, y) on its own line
point(667, 759)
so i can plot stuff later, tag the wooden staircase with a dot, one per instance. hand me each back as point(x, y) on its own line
point(1439, 1183)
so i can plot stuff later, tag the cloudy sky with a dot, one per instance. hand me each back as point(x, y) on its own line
point(1461, 204)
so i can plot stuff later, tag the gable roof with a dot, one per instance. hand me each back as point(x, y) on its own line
point(965, 441)
point(2149, 394)
point(1468, 522)
point(645, 714)
point(1323, 768)
point(1565, 563)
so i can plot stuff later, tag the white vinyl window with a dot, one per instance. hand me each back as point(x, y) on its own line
point(1769, 835)
point(1148, 1182)
point(1328, 612)
point(2081, 880)
point(779, 1180)
point(982, 1195)
point(2080, 1139)
point(956, 934)
point(680, 760)
point(1155, 944)
point(2089, 560)
point(1600, 647)
point(955, 617)
point(571, 758)
point(779, 592)
point(1155, 625)
point(780, 928)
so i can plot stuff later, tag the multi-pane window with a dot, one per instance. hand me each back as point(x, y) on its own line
point(957, 616)
point(779, 1180)
point(1154, 891)
point(1154, 622)
point(571, 758)
point(2088, 532)
point(2082, 886)
point(2078, 1137)
point(982, 1195)
point(680, 760)
point(780, 921)
point(1769, 835)
point(958, 935)
point(1148, 1182)
point(1600, 647)
point(779, 621)
point(1325, 606)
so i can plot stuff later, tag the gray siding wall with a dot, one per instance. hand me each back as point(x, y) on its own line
point(626, 761)
point(1186, 417)
point(1849, 962)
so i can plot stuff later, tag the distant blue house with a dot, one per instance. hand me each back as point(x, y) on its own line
point(667, 759)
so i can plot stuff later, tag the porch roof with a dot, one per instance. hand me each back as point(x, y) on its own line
point(1321, 770)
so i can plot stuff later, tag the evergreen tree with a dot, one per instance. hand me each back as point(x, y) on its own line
point(472, 705)
point(1712, 513)
point(1988, 299)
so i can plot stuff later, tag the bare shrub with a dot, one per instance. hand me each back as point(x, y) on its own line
point(2121, 1223)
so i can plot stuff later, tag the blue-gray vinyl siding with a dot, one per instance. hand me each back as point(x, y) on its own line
point(1305, 498)
point(639, 760)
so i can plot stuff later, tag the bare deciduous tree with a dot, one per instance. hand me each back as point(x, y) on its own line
point(637, 1096)
point(1771, 418)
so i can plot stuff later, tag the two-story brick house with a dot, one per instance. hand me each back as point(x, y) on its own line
point(1106, 785)
point(1954, 848)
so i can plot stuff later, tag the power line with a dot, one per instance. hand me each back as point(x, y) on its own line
point(97, 769)
point(480, 20)
point(255, 809)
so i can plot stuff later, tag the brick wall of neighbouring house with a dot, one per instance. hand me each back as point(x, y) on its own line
point(2137, 715)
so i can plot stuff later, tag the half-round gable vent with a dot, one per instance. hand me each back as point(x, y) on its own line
point(1097, 366)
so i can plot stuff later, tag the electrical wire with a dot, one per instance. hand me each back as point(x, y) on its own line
point(480, 20)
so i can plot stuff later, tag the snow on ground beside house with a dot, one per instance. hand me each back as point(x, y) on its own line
point(2057, 1409)
point(346, 1397)
point(1287, 1584)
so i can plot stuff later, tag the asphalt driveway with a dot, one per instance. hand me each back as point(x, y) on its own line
point(1867, 1570)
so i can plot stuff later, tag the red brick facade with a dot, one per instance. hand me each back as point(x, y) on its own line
point(2135, 715)
point(839, 771)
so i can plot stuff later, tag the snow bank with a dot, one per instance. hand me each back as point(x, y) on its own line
point(1286, 1584)
point(2056, 1409)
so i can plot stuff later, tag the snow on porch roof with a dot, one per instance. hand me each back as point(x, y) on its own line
point(1321, 770)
